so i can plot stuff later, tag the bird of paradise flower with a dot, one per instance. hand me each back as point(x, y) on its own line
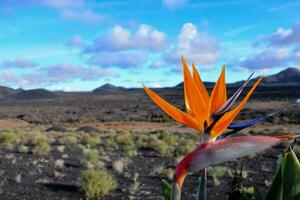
point(211, 116)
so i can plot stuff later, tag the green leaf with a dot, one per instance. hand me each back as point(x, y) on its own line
point(201, 192)
point(245, 196)
point(286, 184)
point(291, 177)
point(256, 193)
point(166, 189)
point(275, 192)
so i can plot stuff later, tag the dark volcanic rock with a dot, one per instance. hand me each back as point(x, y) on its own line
point(207, 84)
point(21, 116)
point(6, 91)
point(287, 77)
point(57, 129)
point(87, 129)
point(34, 94)
point(108, 88)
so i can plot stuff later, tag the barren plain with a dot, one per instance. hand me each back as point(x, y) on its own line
point(129, 136)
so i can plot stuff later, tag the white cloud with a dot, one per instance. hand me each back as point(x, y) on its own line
point(121, 47)
point(236, 31)
point(156, 85)
point(158, 64)
point(266, 59)
point(284, 5)
point(67, 71)
point(82, 16)
point(120, 38)
point(9, 78)
point(61, 3)
point(18, 63)
point(51, 75)
point(75, 41)
point(283, 36)
point(296, 55)
point(148, 37)
point(279, 49)
point(77, 10)
point(118, 59)
point(173, 4)
point(200, 48)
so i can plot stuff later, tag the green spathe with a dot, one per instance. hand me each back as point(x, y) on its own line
point(286, 184)
point(166, 189)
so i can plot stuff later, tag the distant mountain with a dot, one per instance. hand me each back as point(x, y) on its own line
point(108, 88)
point(207, 84)
point(290, 76)
point(6, 91)
point(287, 77)
point(33, 95)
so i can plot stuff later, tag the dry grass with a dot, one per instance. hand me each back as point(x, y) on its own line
point(97, 183)
point(42, 147)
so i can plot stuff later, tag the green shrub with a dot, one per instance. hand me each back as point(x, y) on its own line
point(68, 140)
point(167, 137)
point(162, 147)
point(130, 151)
point(39, 138)
point(22, 149)
point(136, 184)
point(8, 137)
point(142, 140)
point(97, 183)
point(110, 142)
point(91, 156)
point(125, 139)
point(43, 147)
point(91, 139)
point(119, 166)
point(185, 146)
point(169, 173)
point(218, 172)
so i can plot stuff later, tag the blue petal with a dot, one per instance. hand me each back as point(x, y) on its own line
point(229, 103)
point(242, 125)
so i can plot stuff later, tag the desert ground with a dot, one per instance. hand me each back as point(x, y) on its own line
point(48, 144)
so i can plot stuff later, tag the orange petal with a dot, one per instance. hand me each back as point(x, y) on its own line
point(194, 100)
point(200, 85)
point(187, 97)
point(218, 95)
point(174, 112)
point(227, 118)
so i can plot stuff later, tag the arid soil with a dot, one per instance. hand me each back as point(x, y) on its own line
point(133, 106)
point(56, 175)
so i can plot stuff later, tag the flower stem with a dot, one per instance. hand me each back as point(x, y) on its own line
point(201, 192)
point(176, 192)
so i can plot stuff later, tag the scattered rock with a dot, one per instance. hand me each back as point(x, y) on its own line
point(118, 166)
point(87, 129)
point(108, 88)
point(21, 116)
point(61, 148)
point(6, 91)
point(57, 129)
point(60, 163)
point(34, 94)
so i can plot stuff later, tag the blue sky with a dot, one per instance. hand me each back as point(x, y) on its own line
point(82, 44)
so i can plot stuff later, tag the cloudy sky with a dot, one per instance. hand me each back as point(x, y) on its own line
point(82, 44)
